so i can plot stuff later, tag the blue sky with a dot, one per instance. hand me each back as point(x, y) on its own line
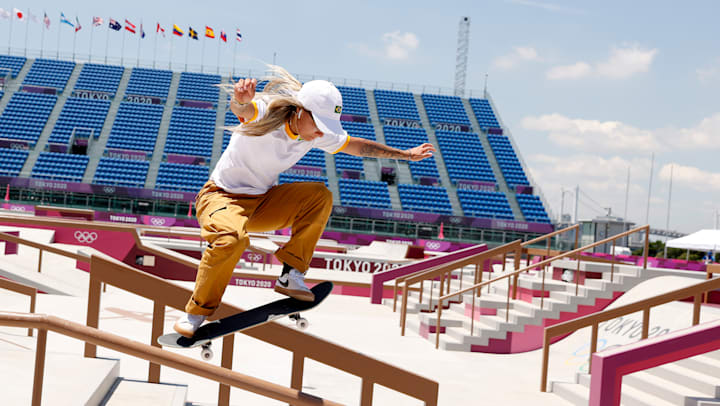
point(587, 89)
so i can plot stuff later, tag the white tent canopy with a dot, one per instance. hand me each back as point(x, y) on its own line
point(703, 240)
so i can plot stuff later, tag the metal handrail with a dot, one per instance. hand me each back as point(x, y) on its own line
point(516, 273)
point(695, 291)
point(45, 323)
point(106, 270)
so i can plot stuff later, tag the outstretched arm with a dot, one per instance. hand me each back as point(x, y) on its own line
point(367, 148)
point(243, 93)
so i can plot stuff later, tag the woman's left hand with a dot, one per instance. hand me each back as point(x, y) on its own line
point(420, 152)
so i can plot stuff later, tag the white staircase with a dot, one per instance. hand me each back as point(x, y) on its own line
point(690, 382)
point(490, 330)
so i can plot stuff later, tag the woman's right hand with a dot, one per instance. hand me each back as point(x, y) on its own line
point(244, 90)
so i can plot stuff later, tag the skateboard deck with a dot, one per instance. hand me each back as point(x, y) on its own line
point(247, 319)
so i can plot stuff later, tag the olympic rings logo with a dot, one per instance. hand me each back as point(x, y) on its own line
point(157, 221)
point(85, 237)
point(432, 245)
point(109, 189)
point(253, 257)
point(455, 220)
point(340, 210)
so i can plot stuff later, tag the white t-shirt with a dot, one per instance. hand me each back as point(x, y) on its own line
point(251, 165)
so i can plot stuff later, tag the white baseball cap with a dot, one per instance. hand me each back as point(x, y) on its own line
point(324, 101)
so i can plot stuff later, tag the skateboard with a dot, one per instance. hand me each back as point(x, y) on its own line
point(244, 320)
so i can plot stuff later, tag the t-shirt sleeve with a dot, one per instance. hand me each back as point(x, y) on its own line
point(332, 143)
point(260, 110)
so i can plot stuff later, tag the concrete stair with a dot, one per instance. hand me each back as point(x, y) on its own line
point(496, 320)
point(689, 382)
point(130, 392)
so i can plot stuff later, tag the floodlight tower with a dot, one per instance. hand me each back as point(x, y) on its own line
point(462, 55)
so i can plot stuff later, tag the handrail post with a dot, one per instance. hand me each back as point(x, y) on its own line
point(366, 395)
point(157, 330)
point(696, 309)
point(226, 362)
point(39, 367)
point(93, 309)
point(40, 255)
point(545, 361)
point(33, 299)
point(646, 323)
point(403, 310)
point(437, 325)
point(298, 366)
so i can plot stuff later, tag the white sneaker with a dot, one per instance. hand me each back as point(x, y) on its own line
point(293, 285)
point(188, 324)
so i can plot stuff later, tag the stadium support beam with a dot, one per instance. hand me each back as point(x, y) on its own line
point(461, 57)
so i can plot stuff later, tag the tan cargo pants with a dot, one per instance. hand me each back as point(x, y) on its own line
point(225, 220)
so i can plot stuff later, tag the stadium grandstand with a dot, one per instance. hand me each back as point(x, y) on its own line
point(459, 249)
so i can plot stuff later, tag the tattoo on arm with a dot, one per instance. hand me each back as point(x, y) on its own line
point(377, 150)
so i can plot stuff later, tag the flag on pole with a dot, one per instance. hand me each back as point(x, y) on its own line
point(223, 36)
point(19, 14)
point(65, 20)
point(160, 30)
point(46, 21)
point(78, 27)
point(192, 33)
point(239, 35)
point(4, 13)
point(114, 25)
point(142, 32)
point(33, 17)
point(177, 31)
point(441, 236)
point(97, 21)
point(209, 32)
point(7, 195)
point(129, 26)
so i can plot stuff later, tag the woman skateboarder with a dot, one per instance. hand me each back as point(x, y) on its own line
point(278, 127)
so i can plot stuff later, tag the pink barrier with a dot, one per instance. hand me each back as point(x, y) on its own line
point(11, 247)
point(608, 367)
point(376, 288)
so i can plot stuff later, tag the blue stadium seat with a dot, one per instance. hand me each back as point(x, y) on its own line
point(12, 161)
point(507, 160)
point(191, 132)
point(315, 157)
point(49, 73)
point(82, 115)
point(532, 208)
point(99, 78)
point(182, 177)
point(393, 104)
point(422, 198)
point(445, 109)
point(292, 178)
point(464, 156)
point(121, 172)
point(25, 116)
point(484, 114)
point(149, 82)
point(198, 86)
point(364, 193)
point(136, 127)
point(485, 204)
point(13, 63)
point(405, 138)
point(63, 167)
point(354, 101)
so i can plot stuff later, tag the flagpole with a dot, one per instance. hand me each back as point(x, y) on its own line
point(58, 45)
point(187, 49)
point(122, 47)
point(155, 45)
point(27, 24)
point(218, 57)
point(107, 40)
point(92, 29)
point(10, 33)
point(202, 56)
point(74, 38)
point(42, 36)
point(139, 38)
point(171, 49)
point(234, 49)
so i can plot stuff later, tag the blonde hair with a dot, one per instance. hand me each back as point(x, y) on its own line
point(281, 89)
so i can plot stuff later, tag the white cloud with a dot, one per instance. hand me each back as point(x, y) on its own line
point(595, 135)
point(397, 46)
point(622, 63)
point(691, 176)
point(625, 62)
point(517, 56)
point(709, 73)
point(575, 71)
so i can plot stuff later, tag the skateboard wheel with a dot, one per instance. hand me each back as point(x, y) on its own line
point(302, 323)
point(206, 354)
